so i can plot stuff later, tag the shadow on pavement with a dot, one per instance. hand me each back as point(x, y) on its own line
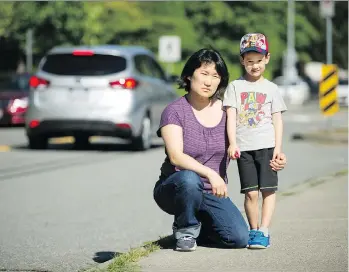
point(104, 256)
point(167, 242)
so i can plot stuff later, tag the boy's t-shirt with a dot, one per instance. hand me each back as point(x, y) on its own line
point(255, 103)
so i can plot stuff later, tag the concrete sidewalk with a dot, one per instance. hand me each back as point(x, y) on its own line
point(309, 233)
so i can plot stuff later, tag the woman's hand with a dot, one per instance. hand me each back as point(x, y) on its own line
point(234, 151)
point(219, 188)
point(279, 162)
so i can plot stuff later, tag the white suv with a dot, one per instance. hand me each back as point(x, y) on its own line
point(106, 90)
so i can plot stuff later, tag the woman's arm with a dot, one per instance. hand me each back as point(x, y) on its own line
point(173, 138)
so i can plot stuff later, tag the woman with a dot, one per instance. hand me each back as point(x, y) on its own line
point(192, 185)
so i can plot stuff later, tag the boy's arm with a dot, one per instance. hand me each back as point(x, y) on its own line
point(278, 127)
point(278, 108)
point(231, 125)
point(230, 105)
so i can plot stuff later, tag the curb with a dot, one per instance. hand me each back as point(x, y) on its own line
point(291, 191)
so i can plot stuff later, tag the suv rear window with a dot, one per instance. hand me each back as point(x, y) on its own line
point(95, 65)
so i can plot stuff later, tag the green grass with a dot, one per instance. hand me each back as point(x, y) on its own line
point(288, 193)
point(341, 173)
point(127, 262)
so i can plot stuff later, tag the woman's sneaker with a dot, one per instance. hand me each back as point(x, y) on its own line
point(186, 244)
point(260, 241)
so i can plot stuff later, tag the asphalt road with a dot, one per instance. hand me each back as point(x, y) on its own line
point(65, 210)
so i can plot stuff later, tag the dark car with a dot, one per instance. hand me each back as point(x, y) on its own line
point(14, 93)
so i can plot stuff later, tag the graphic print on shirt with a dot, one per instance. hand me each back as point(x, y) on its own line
point(251, 112)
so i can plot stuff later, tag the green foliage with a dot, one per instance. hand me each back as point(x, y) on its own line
point(6, 15)
point(199, 24)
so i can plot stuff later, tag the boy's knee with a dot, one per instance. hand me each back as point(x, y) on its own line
point(267, 193)
point(252, 195)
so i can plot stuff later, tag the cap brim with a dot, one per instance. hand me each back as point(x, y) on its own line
point(253, 49)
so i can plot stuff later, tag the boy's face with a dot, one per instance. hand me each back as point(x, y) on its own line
point(254, 63)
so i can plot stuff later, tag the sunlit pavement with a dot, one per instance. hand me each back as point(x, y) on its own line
point(61, 207)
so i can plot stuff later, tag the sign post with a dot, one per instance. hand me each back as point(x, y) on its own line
point(327, 11)
point(329, 81)
point(328, 98)
point(169, 51)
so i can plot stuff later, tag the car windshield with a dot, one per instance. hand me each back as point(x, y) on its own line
point(17, 83)
point(94, 65)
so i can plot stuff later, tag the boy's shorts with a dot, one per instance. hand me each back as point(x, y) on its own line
point(255, 171)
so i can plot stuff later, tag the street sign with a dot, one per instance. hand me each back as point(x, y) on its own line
point(328, 98)
point(170, 49)
point(327, 8)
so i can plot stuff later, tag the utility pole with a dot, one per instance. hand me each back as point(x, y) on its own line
point(329, 78)
point(291, 42)
point(290, 56)
point(290, 25)
point(29, 50)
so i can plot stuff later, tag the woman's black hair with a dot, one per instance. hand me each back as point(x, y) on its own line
point(205, 56)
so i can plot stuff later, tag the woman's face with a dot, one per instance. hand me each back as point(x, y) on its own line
point(205, 80)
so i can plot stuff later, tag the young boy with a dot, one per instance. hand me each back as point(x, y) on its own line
point(254, 106)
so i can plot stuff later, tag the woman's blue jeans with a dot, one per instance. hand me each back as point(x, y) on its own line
point(199, 213)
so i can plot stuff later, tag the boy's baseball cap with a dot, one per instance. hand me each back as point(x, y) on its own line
point(255, 42)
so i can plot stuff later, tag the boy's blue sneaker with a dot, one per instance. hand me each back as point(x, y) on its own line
point(251, 235)
point(259, 241)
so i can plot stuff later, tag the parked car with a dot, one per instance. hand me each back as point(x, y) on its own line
point(343, 92)
point(108, 90)
point(296, 92)
point(14, 93)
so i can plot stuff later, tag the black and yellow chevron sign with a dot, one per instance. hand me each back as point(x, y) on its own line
point(328, 98)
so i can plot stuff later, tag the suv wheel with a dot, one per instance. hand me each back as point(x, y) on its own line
point(37, 142)
point(143, 141)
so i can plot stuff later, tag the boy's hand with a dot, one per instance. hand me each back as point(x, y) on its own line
point(234, 152)
point(279, 163)
point(276, 154)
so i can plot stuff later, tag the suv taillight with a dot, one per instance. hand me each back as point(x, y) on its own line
point(35, 82)
point(83, 53)
point(126, 83)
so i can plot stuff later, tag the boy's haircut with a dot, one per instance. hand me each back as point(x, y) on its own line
point(205, 56)
point(254, 42)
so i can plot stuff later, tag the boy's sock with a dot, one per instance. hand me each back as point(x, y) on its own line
point(264, 230)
